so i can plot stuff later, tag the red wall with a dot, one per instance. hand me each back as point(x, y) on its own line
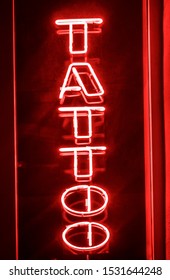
point(167, 117)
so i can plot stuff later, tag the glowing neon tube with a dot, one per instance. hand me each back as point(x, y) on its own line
point(88, 202)
point(77, 70)
point(90, 227)
point(79, 112)
point(77, 152)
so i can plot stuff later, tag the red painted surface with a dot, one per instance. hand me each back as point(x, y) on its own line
point(154, 129)
point(167, 118)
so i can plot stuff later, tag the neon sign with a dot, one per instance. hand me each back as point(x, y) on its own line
point(77, 113)
point(78, 71)
point(87, 192)
point(72, 23)
point(88, 227)
point(84, 200)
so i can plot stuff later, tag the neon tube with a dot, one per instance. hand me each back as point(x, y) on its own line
point(90, 227)
point(71, 40)
point(78, 20)
point(81, 82)
point(89, 189)
point(75, 70)
point(78, 151)
point(82, 112)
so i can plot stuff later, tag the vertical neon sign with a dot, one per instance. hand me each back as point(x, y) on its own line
point(82, 82)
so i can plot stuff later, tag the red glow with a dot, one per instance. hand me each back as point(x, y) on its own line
point(78, 22)
point(79, 174)
point(84, 108)
point(81, 81)
point(71, 32)
point(76, 71)
point(88, 190)
point(89, 228)
point(79, 112)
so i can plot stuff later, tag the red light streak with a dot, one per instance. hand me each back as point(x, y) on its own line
point(80, 20)
point(83, 149)
point(76, 71)
point(79, 31)
point(88, 199)
point(89, 234)
point(90, 227)
point(84, 108)
point(88, 202)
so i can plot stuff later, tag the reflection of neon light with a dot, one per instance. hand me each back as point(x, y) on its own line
point(90, 226)
point(82, 112)
point(77, 70)
point(77, 22)
point(79, 31)
point(89, 190)
point(77, 152)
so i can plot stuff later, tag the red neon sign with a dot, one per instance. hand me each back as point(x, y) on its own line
point(77, 152)
point(78, 112)
point(72, 23)
point(76, 73)
point(90, 235)
point(88, 210)
point(81, 81)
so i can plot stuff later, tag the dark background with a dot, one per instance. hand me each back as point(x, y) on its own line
point(42, 60)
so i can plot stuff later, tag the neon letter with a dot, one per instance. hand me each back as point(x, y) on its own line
point(86, 191)
point(77, 113)
point(78, 22)
point(90, 229)
point(81, 174)
point(73, 82)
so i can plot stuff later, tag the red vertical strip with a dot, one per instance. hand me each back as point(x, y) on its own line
point(7, 173)
point(167, 117)
point(15, 127)
point(154, 128)
point(147, 134)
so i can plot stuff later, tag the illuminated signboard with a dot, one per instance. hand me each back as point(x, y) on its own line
point(84, 200)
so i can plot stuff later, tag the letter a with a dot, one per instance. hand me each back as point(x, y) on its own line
point(81, 79)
